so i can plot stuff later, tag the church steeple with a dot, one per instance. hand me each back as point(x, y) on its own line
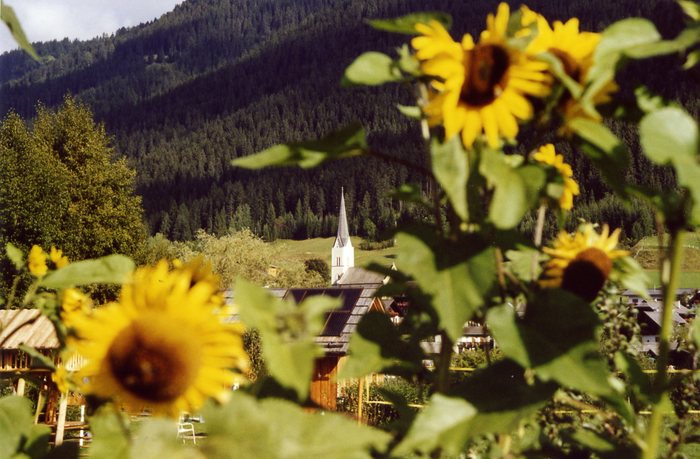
point(342, 253)
point(343, 237)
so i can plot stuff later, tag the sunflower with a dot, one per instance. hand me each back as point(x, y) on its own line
point(547, 155)
point(574, 49)
point(57, 257)
point(201, 270)
point(74, 303)
point(582, 262)
point(162, 346)
point(479, 87)
point(37, 261)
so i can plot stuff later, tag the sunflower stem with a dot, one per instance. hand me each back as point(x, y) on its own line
point(539, 229)
point(443, 364)
point(425, 131)
point(670, 270)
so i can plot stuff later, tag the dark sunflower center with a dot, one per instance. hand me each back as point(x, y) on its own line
point(151, 369)
point(487, 69)
point(571, 67)
point(587, 273)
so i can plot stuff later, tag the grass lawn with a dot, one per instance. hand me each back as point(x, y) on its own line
point(321, 248)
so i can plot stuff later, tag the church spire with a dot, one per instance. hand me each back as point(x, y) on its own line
point(343, 237)
point(342, 253)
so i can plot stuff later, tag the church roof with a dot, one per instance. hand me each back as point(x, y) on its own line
point(343, 237)
point(359, 277)
point(339, 323)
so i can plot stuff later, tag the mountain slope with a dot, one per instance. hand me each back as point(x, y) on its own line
point(217, 79)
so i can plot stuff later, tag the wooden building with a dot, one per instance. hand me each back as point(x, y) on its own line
point(335, 337)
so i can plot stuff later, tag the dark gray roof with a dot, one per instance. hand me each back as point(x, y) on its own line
point(361, 277)
point(341, 322)
point(343, 237)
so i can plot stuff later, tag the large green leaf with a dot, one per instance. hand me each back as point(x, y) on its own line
point(377, 347)
point(615, 40)
point(155, 438)
point(112, 269)
point(449, 162)
point(670, 136)
point(407, 24)
point(277, 429)
point(344, 143)
point(493, 400)
point(372, 69)
point(19, 437)
point(605, 150)
point(110, 437)
point(456, 274)
point(516, 188)
point(444, 424)
point(8, 16)
point(287, 331)
point(503, 397)
point(557, 338)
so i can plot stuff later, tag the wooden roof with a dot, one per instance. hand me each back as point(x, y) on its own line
point(26, 326)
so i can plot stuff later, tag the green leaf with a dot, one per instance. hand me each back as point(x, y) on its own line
point(15, 255)
point(18, 434)
point(592, 441)
point(377, 347)
point(516, 189)
point(112, 269)
point(407, 24)
point(39, 360)
point(287, 331)
point(410, 192)
point(449, 162)
point(557, 69)
point(277, 429)
point(503, 397)
point(692, 59)
point(456, 274)
point(155, 438)
point(444, 423)
point(521, 263)
point(8, 16)
point(628, 272)
point(110, 438)
point(556, 338)
point(605, 150)
point(411, 112)
point(344, 143)
point(691, 8)
point(670, 136)
point(617, 38)
point(372, 69)
point(639, 383)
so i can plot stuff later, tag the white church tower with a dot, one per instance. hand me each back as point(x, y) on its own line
point(343, 253)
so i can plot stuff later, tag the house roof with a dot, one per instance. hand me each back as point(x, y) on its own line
point(339, 323)
point(655, 317)
point(26, 326)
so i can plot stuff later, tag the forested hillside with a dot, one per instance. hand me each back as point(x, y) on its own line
point(218, 79)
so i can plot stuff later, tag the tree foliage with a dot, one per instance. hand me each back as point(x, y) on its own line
point(64, 185)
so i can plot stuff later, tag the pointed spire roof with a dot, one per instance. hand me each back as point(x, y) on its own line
point(343, 237)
